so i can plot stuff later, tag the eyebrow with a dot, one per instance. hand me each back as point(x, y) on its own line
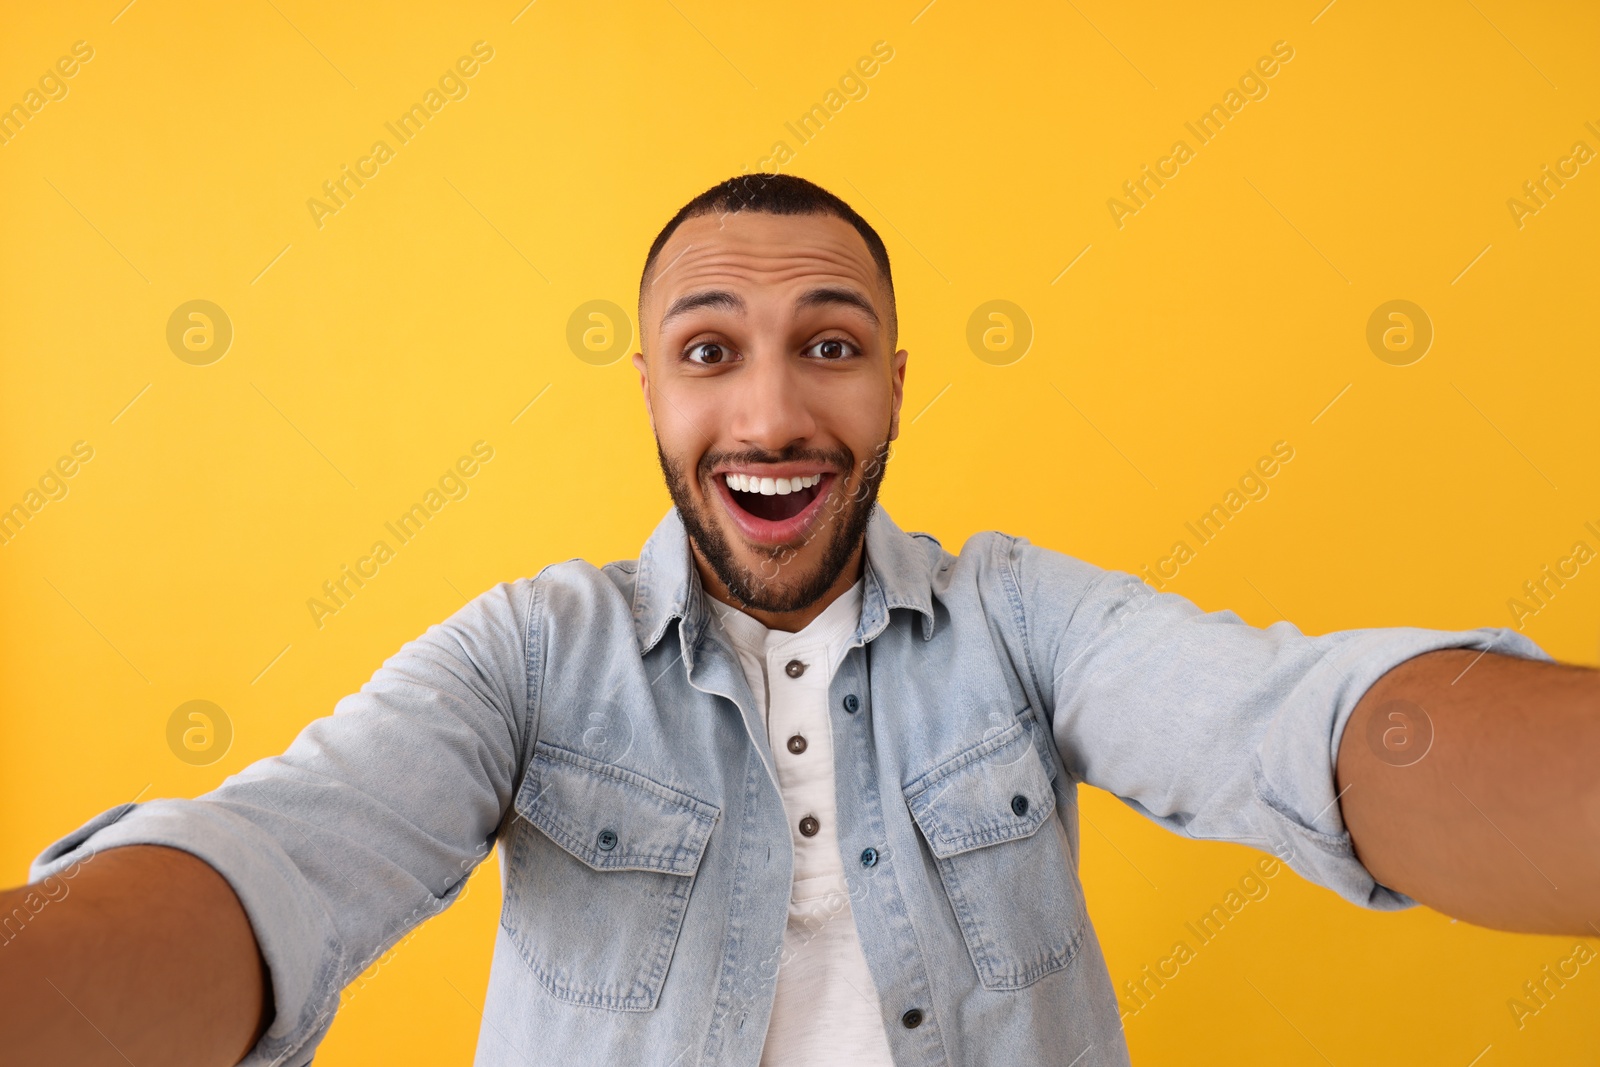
point(731, 301)
point(827, 295)
point(709, 298)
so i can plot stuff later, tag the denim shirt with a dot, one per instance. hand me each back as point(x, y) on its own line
point(592, 723)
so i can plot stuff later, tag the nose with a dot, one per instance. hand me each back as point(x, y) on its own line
point(772, 410)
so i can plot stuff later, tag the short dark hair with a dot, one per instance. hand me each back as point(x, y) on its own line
point(774, 194)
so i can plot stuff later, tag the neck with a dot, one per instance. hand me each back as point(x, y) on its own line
point(787, 621)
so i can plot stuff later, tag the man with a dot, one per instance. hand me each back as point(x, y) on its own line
point(796, 787)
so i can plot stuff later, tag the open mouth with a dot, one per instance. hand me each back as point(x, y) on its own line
point(773, 499)
point(769, 509)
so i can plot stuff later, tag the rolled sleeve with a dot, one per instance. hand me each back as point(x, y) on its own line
point(1213, 728)
point(370, 821)
point(297, 937)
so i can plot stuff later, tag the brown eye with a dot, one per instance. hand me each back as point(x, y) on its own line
point(709, 353)
point(832, 348)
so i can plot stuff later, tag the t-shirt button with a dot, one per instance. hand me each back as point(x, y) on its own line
point(797, 744)
point(794, 668)
point(809, 826)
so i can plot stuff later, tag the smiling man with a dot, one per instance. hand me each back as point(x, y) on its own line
point(774, 391)
point(796, 787)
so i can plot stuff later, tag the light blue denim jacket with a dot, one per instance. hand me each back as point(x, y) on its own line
point(592, 722)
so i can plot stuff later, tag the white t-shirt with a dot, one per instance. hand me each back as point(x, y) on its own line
point(826, 1011)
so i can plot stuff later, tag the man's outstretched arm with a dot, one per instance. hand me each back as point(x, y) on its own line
point(149, 958)
point(366, 826)
point(1485, 803)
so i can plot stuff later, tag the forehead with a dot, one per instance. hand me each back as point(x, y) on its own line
point(750, 250)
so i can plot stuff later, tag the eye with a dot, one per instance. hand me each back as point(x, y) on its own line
point(707, 353)
point(832, 349)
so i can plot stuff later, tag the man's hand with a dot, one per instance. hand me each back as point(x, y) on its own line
point(148, 958)
point(1471, 782)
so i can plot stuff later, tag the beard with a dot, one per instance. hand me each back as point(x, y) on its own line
point(841, 527)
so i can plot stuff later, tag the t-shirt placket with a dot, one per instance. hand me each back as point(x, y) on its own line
point(802, 744)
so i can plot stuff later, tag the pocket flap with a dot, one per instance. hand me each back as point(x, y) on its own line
point(995, 791)
point(613, 819)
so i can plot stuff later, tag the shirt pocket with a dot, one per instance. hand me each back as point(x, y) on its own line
point(987, 815)
point(599, 869)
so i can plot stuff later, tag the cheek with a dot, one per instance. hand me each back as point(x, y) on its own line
point(858, 414)
point(685, 427)
point(684, 418)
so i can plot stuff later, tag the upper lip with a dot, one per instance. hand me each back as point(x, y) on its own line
point(775, 470)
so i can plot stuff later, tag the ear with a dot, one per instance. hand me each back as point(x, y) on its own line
point(641, 366)
point(897, 380)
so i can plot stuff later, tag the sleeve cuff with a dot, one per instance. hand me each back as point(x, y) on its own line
point(297, 938)
point(1294, 777)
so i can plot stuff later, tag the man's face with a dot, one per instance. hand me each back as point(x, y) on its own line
point(773, 392)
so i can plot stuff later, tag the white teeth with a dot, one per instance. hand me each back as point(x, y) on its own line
point(770, 486)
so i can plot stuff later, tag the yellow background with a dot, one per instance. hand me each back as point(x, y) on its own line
point(427, 314)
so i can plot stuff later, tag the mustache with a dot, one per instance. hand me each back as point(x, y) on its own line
point(841, 458)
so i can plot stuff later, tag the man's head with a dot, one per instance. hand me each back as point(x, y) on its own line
point(768, 332)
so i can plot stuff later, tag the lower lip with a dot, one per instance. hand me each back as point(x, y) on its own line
point(774, 531)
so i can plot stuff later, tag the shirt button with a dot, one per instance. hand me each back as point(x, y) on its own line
point(809, 826)
point(607, 840)
point(794, 668)
point(1019, 805)
point(852, 703)
point(911, 1019)
point(797, 744)
point(869, 857)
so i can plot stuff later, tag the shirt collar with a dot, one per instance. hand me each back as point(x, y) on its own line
point(831, 630)
point(898, 574)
